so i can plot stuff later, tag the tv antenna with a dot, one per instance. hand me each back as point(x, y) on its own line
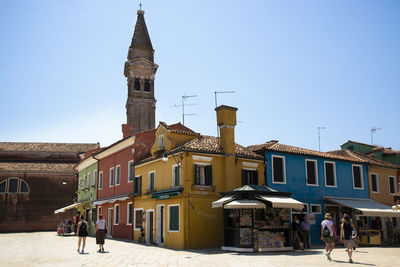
point(373, 130)
point(184, 99)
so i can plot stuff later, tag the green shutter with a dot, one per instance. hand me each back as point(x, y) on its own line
point(177, 176)
point(140, 185)
point(174, 218)
point(208, 173)
point(135, 185)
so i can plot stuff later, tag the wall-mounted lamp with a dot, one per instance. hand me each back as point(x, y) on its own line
point(64, 181)
point(177, 159)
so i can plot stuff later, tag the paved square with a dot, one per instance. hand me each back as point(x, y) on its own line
point(48, 249)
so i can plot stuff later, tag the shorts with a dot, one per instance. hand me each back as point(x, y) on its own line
point(348, 243)
point(328, 239)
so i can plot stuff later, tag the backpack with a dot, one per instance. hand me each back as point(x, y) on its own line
point(326, 232)
point(83, 227)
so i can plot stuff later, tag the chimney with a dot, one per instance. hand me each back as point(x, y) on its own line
point(126, 130)
point(226, 120)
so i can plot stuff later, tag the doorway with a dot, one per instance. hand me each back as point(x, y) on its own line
point(110, 222)
point(160, 225)
point(149, 227)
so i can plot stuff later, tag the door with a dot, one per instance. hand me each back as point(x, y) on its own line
point(110, 222)
point(149, 227)
point(160, 225)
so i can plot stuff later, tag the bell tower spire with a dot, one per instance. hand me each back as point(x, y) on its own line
point(140, 71)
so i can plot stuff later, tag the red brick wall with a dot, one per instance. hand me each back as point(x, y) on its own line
point(122, 230)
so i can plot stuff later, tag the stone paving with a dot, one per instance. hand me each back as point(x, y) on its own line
point(48, 249)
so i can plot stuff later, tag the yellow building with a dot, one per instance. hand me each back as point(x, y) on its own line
point(175, 187)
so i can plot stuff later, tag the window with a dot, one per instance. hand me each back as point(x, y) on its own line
point(311, 172)
point(93, 218)
point(330, 174)
point(138, 219)
point(101, 180)
point(392, 189)
point(357, 177)
point(161, 141)
point(278, 170)
point(315, 208)
point(151, 180)
point(116, 214)
point(129, 213)
point(130, 171)
point(118, 174)
point(374, 183)
point(173, 218)
point(3, 186)
point(24, 187)
point(176, 175)
point(94, 177)
point(111, 177)
point(137, 185)
point(13, 185)
point(202, 174)
point(99, 212)
point(137, 85)
point(249, 177)
point(147, 86)
point(88, 180)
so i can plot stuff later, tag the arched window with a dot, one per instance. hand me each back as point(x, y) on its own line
point(147, 86)
point(14, 185)
point(137, 85)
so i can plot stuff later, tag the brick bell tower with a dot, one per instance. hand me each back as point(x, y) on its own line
point(140, 70)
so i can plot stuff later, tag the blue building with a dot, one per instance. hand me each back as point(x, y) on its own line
point(318, 179)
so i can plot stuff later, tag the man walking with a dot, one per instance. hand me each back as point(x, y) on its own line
point(328, 235)
point(305, 228)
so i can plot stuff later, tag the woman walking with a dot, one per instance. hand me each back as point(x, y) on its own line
point(101, 230)
point(82, 233)
point(328, 235)
point(346, 233)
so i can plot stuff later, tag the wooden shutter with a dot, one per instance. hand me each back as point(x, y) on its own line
point(208, 173)
point(244, 176)
point(255, 177)
point(177, 176)
point(135, 185)
point(140, 185)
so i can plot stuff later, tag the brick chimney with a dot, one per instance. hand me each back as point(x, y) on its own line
point(126, 130)
point(226, 119)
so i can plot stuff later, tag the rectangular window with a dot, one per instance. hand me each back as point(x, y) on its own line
point(392, 189)
point(311, 172)
point(101, 180)
point(315, 208)
point(249, 177)
point(129, 213)
point(173, 218)
point(176, 175)
point(151, 180)
point(130, 171)
point(138, 219)
point(88, 180)
point(137, 185)
point(161, 142)
point(94, 177)
point(357, 177)
point(202, 174)
point(374, 183)
point(118, 175)
point(278, 170)
point(111, 177)
point(99, 212)
point(116, 214)
point(330, 174)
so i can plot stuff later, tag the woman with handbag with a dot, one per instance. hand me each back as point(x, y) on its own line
point(101, 231)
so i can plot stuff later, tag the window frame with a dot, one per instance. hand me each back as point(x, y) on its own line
point(100, 180)
point(149, 181)
point(202, 165)
point(5, 186)
point(95, 178)
point(315, 170)
point(169, 217)
point(160, 141)
point(88, 180)
point(361, 177)
point(131, 175)
point(116, 218)
point(19, 186)
point(377, 183)
point(134, 218)
point(250, 170)
point(137, 182)
point(173, 175)
point(117, 175)
point(111, 177)
point(334, 174)
point(283, 169)
point(315, 205)
point(394, 185)
point(127, 213)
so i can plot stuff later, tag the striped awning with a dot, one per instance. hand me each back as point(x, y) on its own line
point(245, 204)
point(67, 208)
point(221, 201)
point(111, 200)
point(283, 202)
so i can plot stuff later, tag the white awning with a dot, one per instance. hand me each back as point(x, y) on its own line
point(245, 204)
point(67, 208)
point(396, 208)
point(110, 200)
point(368, 207)
point(221, 201)
point(283, 202)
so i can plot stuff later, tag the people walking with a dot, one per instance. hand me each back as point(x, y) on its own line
point(346, 235)
point(305, 228)
point(101, 230)
point(82, 233)
point(328, 234)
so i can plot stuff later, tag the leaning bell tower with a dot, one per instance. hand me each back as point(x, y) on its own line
point(140, 70)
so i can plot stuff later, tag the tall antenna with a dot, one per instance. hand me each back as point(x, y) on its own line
point(319, 137)
point(184, 99)
point(373, 130)
point(215, 94)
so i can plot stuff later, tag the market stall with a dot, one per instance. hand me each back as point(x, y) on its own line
point(256, 219)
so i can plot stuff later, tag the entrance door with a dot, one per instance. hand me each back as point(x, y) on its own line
point(160, 225)
point(149, 227)
point(110, 222)
point(334, 212)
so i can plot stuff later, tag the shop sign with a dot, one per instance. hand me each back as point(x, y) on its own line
point(311, 219)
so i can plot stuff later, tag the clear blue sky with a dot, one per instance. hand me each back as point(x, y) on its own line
point(294, 65)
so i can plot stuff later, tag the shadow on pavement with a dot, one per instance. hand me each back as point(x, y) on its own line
point(360, 263)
